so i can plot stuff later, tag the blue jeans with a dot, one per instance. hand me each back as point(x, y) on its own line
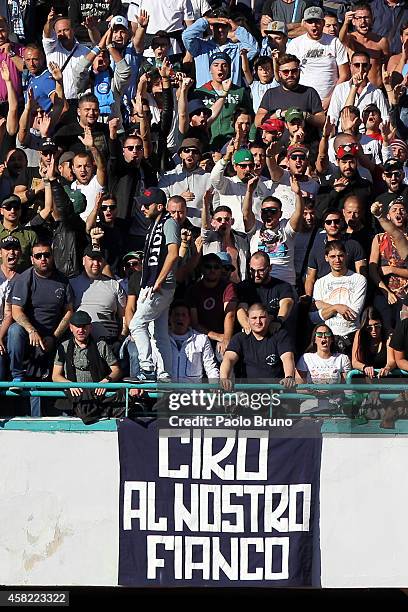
point(129, 358)
point(155, 308)
point(17, 339)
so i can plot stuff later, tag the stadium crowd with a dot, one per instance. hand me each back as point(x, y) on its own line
point(201, 189)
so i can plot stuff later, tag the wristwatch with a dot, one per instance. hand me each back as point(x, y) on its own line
point(11, 53)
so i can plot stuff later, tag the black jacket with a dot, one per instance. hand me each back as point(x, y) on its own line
point(328, 197)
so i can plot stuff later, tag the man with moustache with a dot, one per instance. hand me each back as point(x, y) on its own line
point(393, 176)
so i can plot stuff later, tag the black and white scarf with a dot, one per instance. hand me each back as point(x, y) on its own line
point(155, 251)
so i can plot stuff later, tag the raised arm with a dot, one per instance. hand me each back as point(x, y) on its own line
point(275, 171)
point(247, 204)
point(138, 38)
point(297, 217)
point(88, 141)
point(12, 114)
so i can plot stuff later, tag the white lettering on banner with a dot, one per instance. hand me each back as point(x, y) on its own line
point(212, 560)
point(200, 509)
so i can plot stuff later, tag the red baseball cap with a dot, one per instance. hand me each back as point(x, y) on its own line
point(273, 125)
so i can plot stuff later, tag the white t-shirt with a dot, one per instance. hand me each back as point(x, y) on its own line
point(323, 371)
point(167, 15)
point(284, 193)
point(349, 290)
point(319, 61)
point(279, 244)
point(90, 192)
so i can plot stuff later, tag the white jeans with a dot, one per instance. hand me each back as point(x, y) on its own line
point(152, 307)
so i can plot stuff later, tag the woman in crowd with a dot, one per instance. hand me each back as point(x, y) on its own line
point(371, 350)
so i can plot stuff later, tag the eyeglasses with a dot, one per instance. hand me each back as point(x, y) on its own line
point(300, 156)
point(361, 65)
point(333, 221)
point(269, 210)
point(249, 165)
point(288, 71)
point(42, 255)
point(259, 271)
point(11, 206)
point(323, 334)
point(108, 206)
point(391, 173)
point(223, 220)
point(374, 325)
point(192, 151)
point(212, 267)
point(134, 147)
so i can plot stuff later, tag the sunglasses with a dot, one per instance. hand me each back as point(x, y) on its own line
point(11, 206)
point(42, 255)
point(391, 173)
point(361, 65)
point(323, 334)
point(108, 206)
point(192, 151)
point(134, 147)
point(296, 156)
point(333, 221)
point(373, 325)
point(146, 205)
point(260, 271)
point(269, 211)
point(313, 21)
point(288, 71)
point(133, 263)
point(212, 267)
point(249, 165)
point(221, 220)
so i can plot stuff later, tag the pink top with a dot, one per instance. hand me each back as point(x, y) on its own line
point(15, 75)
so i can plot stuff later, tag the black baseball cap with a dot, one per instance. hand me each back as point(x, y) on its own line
point(93, 253)
point(48, 144)
point(10, 242)
point(153, 195)
point(393, 164)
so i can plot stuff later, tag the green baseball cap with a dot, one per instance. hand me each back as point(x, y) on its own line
point(292, 114)
point(243, 155)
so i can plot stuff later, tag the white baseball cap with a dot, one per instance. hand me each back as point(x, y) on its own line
point(119, 20)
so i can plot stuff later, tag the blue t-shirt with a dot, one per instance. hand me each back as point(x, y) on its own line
point(42, 85)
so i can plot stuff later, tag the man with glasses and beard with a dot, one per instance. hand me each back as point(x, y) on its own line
point(393, 176)
point(291, 94)
point(188, 179)
point(106, 230)
point(213, 304)
point(42, 305)
point(358, 91)
point(230, 190)
point(318, 266)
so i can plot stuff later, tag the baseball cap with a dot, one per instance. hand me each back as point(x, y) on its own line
point(347, 150)
point(153, 195)
point(277, 27)
point(393, 164)
point(66, 157)
point(195, 106)
point(13, 199)
point(273, 125)
point(47, 144)
point(94, 254)
point(297, 148)
point(220, 55)
point(190, 142)
point(133, 255)
point(292, 114)
point(79, 318)
point(119, 20)
point(226, 261)
point(243, 155)
point(370, 108)
point(10, 242)
point(313, 12)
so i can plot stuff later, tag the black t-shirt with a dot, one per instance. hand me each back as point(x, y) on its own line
point(402, 193)
point(261, 358)
point(67, 138)
point(268, 294)
point(399, 339)
point(134, 283)
point(42, 299)
point(317, 259)
point(305, 98)
point(112, 242)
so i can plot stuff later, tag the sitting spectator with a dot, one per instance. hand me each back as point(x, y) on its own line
point(101, 297)
point(82, 359)
point(339, 297)
point(354, 218)
point(41, 304)
point(261, 355)
point(213, 304)
point(188, 179)
point(320, 364)
point(371, 346)
point(193, 356)
point(204, 50)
